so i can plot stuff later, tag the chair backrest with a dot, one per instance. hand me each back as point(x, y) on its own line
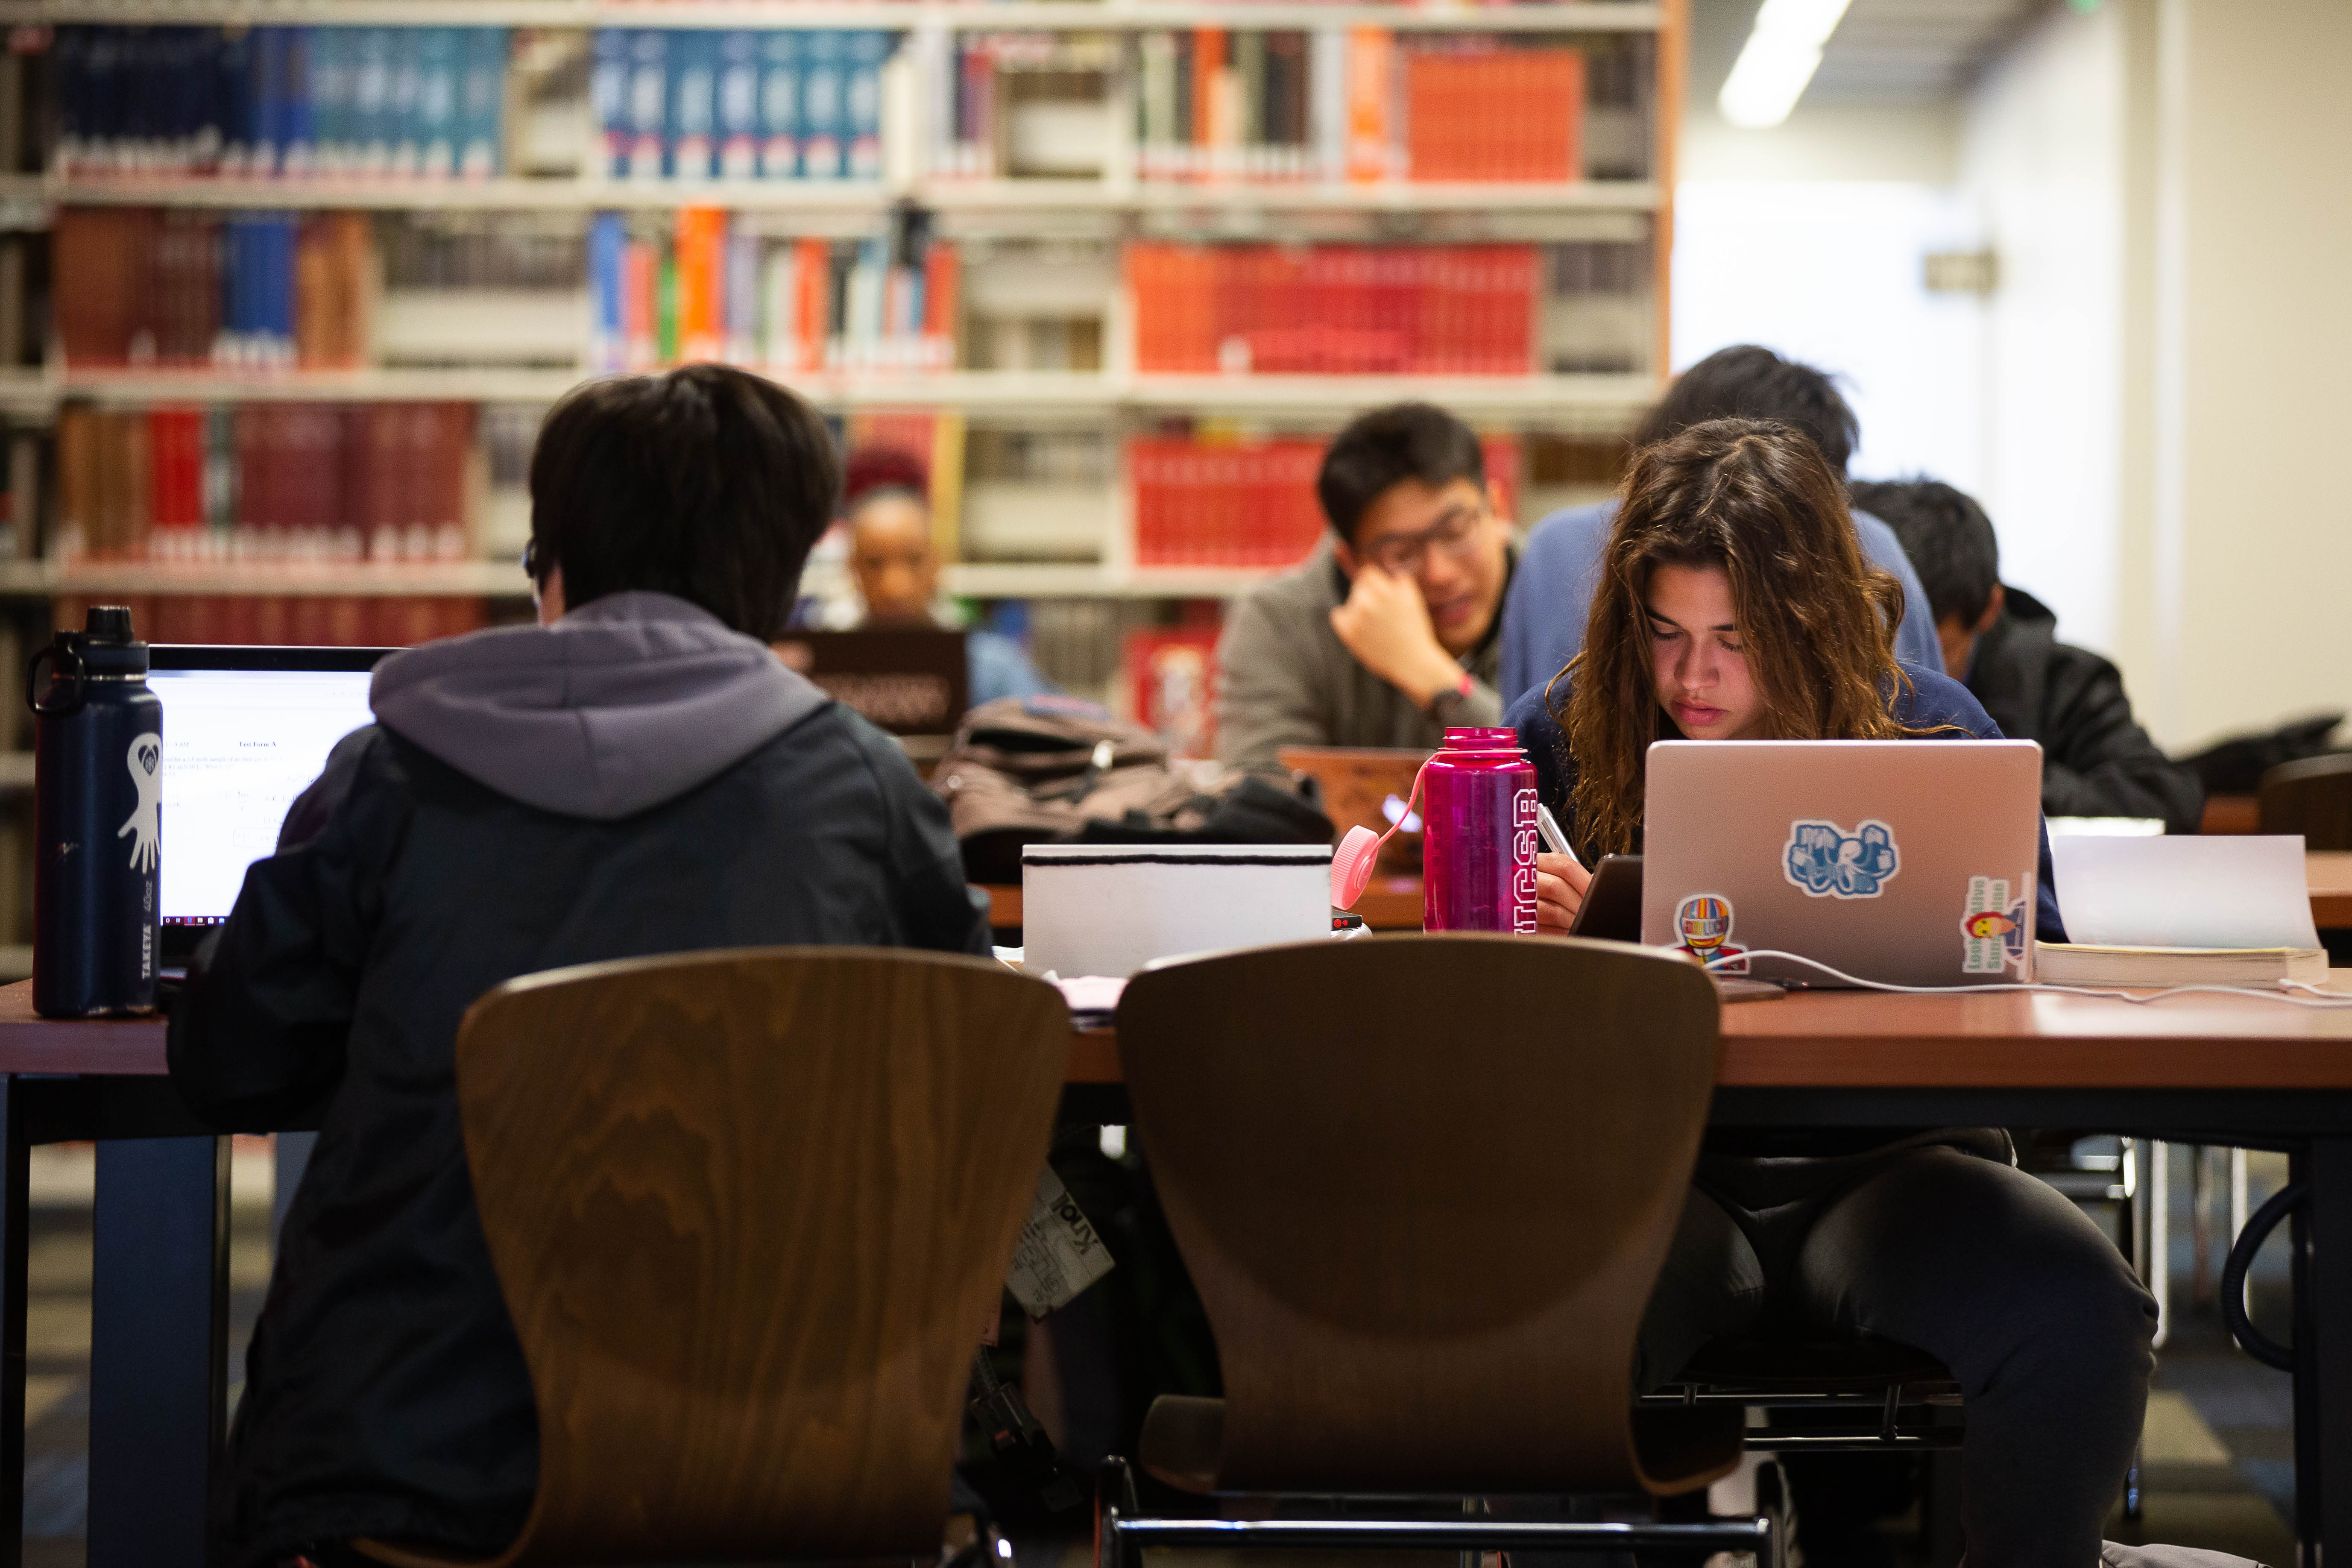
point(2313, 798)
point(1423, 1185)
point(752, 1212)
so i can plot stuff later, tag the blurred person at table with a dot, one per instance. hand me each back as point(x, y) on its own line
point(1384, 635)
point(635, 773)
point(2002, 643)
point(1543, 618)
point(896, 568)
point(1734, 604)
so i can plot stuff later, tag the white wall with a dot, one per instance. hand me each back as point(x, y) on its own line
point(1830, 272)
point(2261, 138)
point(1810, 238)
point(2043, 161)
point(2166, 182)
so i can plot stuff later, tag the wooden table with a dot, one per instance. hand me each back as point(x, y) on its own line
point(2226, 1070)
point(1394, 902)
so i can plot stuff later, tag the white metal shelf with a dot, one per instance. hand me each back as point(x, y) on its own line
point(267, 579)
point(1120, 16)
point(505, 579)
point(1051, 392)
point(818, 196)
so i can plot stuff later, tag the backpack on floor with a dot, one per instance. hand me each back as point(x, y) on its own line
point(1061, 769)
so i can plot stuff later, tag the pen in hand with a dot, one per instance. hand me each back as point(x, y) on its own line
point(1554, 839)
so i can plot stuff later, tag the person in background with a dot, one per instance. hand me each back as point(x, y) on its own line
point(637, 773)
point(1733, 603)
point(895, 566)
point(1385, 635)
point(2002, 643)
point(1543, 618)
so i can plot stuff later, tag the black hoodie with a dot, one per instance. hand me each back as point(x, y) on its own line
point(634, 779)
point(2096, 762)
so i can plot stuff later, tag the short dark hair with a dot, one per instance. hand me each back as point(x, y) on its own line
point(1387, 446)
point(1946, 535)
point(709, 484)
point(1746, 382)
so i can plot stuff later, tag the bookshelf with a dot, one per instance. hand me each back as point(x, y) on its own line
point(1031, 429)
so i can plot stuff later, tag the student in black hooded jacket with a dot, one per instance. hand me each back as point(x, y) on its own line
point(636, 774)
point(2002, 643)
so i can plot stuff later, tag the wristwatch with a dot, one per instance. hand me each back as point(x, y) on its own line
point(1446, 704)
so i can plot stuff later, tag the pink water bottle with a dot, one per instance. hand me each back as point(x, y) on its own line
point(1478, 845)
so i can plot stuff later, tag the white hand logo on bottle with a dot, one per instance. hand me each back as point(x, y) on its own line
point(145, 762)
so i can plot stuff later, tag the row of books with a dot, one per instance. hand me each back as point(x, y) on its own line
point(1418, 310)
point(1250, 504)
point(695, 285)
point(136, 286)
point(265, 482)
point(700, 105)
point(1015, 104)
point(260, 102)
point(1216, 104)
point(300, 620)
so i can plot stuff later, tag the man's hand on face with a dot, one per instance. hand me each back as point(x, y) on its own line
point(1386, 626)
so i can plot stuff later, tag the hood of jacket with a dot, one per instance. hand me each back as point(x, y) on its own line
point(630, 700)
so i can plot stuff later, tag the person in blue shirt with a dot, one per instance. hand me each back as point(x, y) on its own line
point(1543, 615)
point(896, 569)
point(1732, 603)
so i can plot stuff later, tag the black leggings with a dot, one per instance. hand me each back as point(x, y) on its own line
point(1985, 1269)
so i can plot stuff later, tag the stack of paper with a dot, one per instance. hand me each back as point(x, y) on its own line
point(2182, 911)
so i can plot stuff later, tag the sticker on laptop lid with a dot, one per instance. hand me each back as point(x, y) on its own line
point(1703, 922)
point(1992, 931)
point(1828, 862)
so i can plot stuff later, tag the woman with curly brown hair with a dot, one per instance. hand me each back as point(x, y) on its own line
point(1734, 604)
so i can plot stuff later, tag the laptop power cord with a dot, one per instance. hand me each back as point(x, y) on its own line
point(2316, 996)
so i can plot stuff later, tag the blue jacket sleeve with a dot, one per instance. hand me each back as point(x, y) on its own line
point(1550, 596)
point(1915, 639)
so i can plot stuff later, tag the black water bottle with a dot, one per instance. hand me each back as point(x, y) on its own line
point(98, 778)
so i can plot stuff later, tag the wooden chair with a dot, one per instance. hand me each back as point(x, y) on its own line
point(1423, 1185)
point(749, 1211)
point(2313, 798)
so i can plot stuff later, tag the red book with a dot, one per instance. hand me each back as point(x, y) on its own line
point(1172, 677)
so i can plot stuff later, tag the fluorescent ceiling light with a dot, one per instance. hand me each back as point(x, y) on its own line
point(1779, 59)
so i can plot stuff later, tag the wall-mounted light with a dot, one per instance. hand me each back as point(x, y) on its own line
point(1779, 59)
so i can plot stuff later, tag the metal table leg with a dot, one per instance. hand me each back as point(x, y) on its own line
point(159, 1299)
point(2323, 1353)
point(15, 1172)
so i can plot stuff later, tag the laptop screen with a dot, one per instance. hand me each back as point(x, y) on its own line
point(245, 731)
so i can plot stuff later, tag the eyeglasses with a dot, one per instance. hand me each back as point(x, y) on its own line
point(531, 561)
point(1453, 536)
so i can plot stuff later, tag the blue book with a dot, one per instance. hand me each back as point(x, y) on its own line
point(266, 118)
point(101, 117)
point(608, 98)
point(297, 148)
point(481, 108)
point(780, 105)
point(334, 62)
point(438, 65)
point(824, 114)
point(371, 100)
point(738, 105)
point(232, 73)
point(69, 73)
point(648, 102)
point(868, 51)
point(404, 122)
point(693, 104)
point(608, 246)
point(280, 284)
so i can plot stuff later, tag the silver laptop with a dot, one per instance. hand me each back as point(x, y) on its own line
point(1909, 862)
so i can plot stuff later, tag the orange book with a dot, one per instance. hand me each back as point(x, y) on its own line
point(943, 304)
point(701, 242)
point(1371, 62)
point(1208, 67)
point(812, 283)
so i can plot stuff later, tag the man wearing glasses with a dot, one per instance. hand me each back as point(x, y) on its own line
point(1385, 635)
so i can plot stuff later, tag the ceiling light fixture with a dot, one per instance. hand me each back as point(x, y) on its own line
point(1779, 59)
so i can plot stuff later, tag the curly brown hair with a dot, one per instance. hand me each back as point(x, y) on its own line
point(1758, 500)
